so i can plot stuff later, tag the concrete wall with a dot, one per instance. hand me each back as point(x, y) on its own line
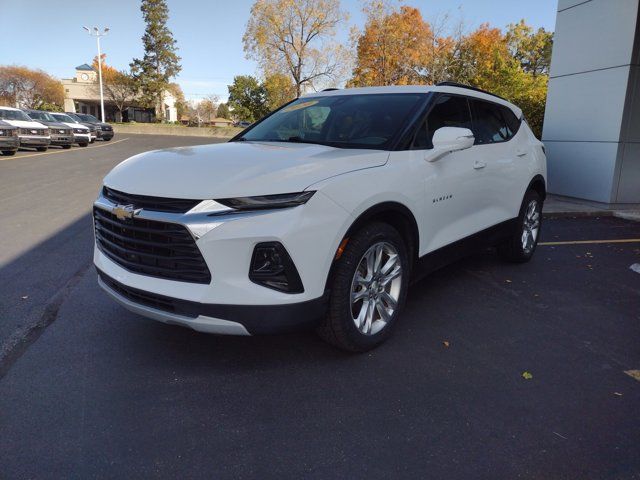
point(592, 121)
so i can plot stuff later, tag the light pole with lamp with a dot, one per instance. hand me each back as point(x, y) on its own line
point(97, 33)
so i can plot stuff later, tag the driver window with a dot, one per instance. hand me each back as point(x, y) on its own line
point(449, 111)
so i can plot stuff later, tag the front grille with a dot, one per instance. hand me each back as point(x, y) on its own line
point(157, 204)
point(33, 131)
point(7, 132)
point(158, 249)
point(153, 300)
point(80, 130)
point(61, 131)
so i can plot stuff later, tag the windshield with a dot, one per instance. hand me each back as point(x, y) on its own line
point(87, 118)
point(74, 117)
point(14, 115)
point(344, 121)
point(45, 116)
point(63, 118)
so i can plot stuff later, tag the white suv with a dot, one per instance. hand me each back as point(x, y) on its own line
point(316, 215)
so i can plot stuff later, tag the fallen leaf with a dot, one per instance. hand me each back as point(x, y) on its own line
point(24, 297)
point(527, 375)
point(508, 281)
point(617, 393)
point(633, 374)
point(446, 343)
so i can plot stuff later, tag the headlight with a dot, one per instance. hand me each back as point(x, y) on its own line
point(262, 202)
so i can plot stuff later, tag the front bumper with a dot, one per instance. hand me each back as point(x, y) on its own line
point(9, 143)
point(81, 138)
point(34, 141)
point(310, 233)
point(61, 139)
point(221, 319)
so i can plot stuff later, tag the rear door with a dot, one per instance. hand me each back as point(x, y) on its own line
point(501, 170)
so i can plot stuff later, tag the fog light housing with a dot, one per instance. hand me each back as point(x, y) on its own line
point(272, 267)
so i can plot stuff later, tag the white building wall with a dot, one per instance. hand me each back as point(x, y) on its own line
point(590, 112)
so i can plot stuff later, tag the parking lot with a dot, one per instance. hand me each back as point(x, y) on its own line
point(89, 390)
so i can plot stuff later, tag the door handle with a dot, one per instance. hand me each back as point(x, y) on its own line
point(521, 152)
point(478, 164)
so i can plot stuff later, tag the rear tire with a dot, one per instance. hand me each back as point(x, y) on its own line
point(41, 149)
point(66, 147)
point(368, 289)
point(8, 153)
point(519, 248)
point(83, 144)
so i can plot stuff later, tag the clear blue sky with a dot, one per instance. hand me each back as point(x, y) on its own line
point(48, 34)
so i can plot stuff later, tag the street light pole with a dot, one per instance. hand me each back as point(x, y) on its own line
point(97, 33)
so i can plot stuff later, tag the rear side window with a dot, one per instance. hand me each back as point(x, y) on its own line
point(489, 125)
point(448, 111)
point(513, 123)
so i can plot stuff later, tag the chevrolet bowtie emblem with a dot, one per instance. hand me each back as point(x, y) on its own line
point(125, 212)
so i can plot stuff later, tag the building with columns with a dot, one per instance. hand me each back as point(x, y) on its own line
point(592, 119)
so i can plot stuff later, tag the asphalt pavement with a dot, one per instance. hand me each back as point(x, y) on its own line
point(89, 390)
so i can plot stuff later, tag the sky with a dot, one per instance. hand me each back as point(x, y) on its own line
point(48, 34)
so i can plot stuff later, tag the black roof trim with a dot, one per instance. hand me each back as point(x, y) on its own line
point(469, 87)
point(329, 89)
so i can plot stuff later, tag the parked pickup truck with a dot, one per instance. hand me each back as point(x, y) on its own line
point(9, 140)
point(61, 134)
point(31, 134)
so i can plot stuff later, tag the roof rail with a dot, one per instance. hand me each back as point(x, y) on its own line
point(469, 87)
point(329, 89)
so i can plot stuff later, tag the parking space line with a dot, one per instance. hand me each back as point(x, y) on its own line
point(591, 242)
point(16, 157)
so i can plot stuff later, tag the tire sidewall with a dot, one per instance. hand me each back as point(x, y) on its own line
point(340, 302)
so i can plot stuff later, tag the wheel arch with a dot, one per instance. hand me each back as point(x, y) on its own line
point(397, 215)
point(538, 184)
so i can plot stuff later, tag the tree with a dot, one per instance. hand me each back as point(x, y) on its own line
point(531, 49)
point(393, 47)
point(279, 89)
point(160, 62)
point(295, 38)
point(204, 110)
point(398, 47)
point(119, 86)
point(26, 88)
point(223, 111)
point(247, 98)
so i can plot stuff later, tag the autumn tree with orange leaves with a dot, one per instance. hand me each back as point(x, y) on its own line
point(398, 47)
point(27, 88)
point(119, 87)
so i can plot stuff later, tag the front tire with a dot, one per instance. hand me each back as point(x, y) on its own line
point(41, 149)
point(368, 289)
point(519, 248)
point(83, 144)
point(8, 153)
point(66, 147)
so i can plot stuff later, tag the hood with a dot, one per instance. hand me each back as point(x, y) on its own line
point(54, 124)
point(25, 124)
point(236, 169)
point(76, 125)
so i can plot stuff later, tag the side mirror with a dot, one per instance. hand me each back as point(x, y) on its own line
point(450, 139)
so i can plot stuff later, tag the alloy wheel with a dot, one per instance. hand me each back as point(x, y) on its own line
point(530, 227)
point(375, 288)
